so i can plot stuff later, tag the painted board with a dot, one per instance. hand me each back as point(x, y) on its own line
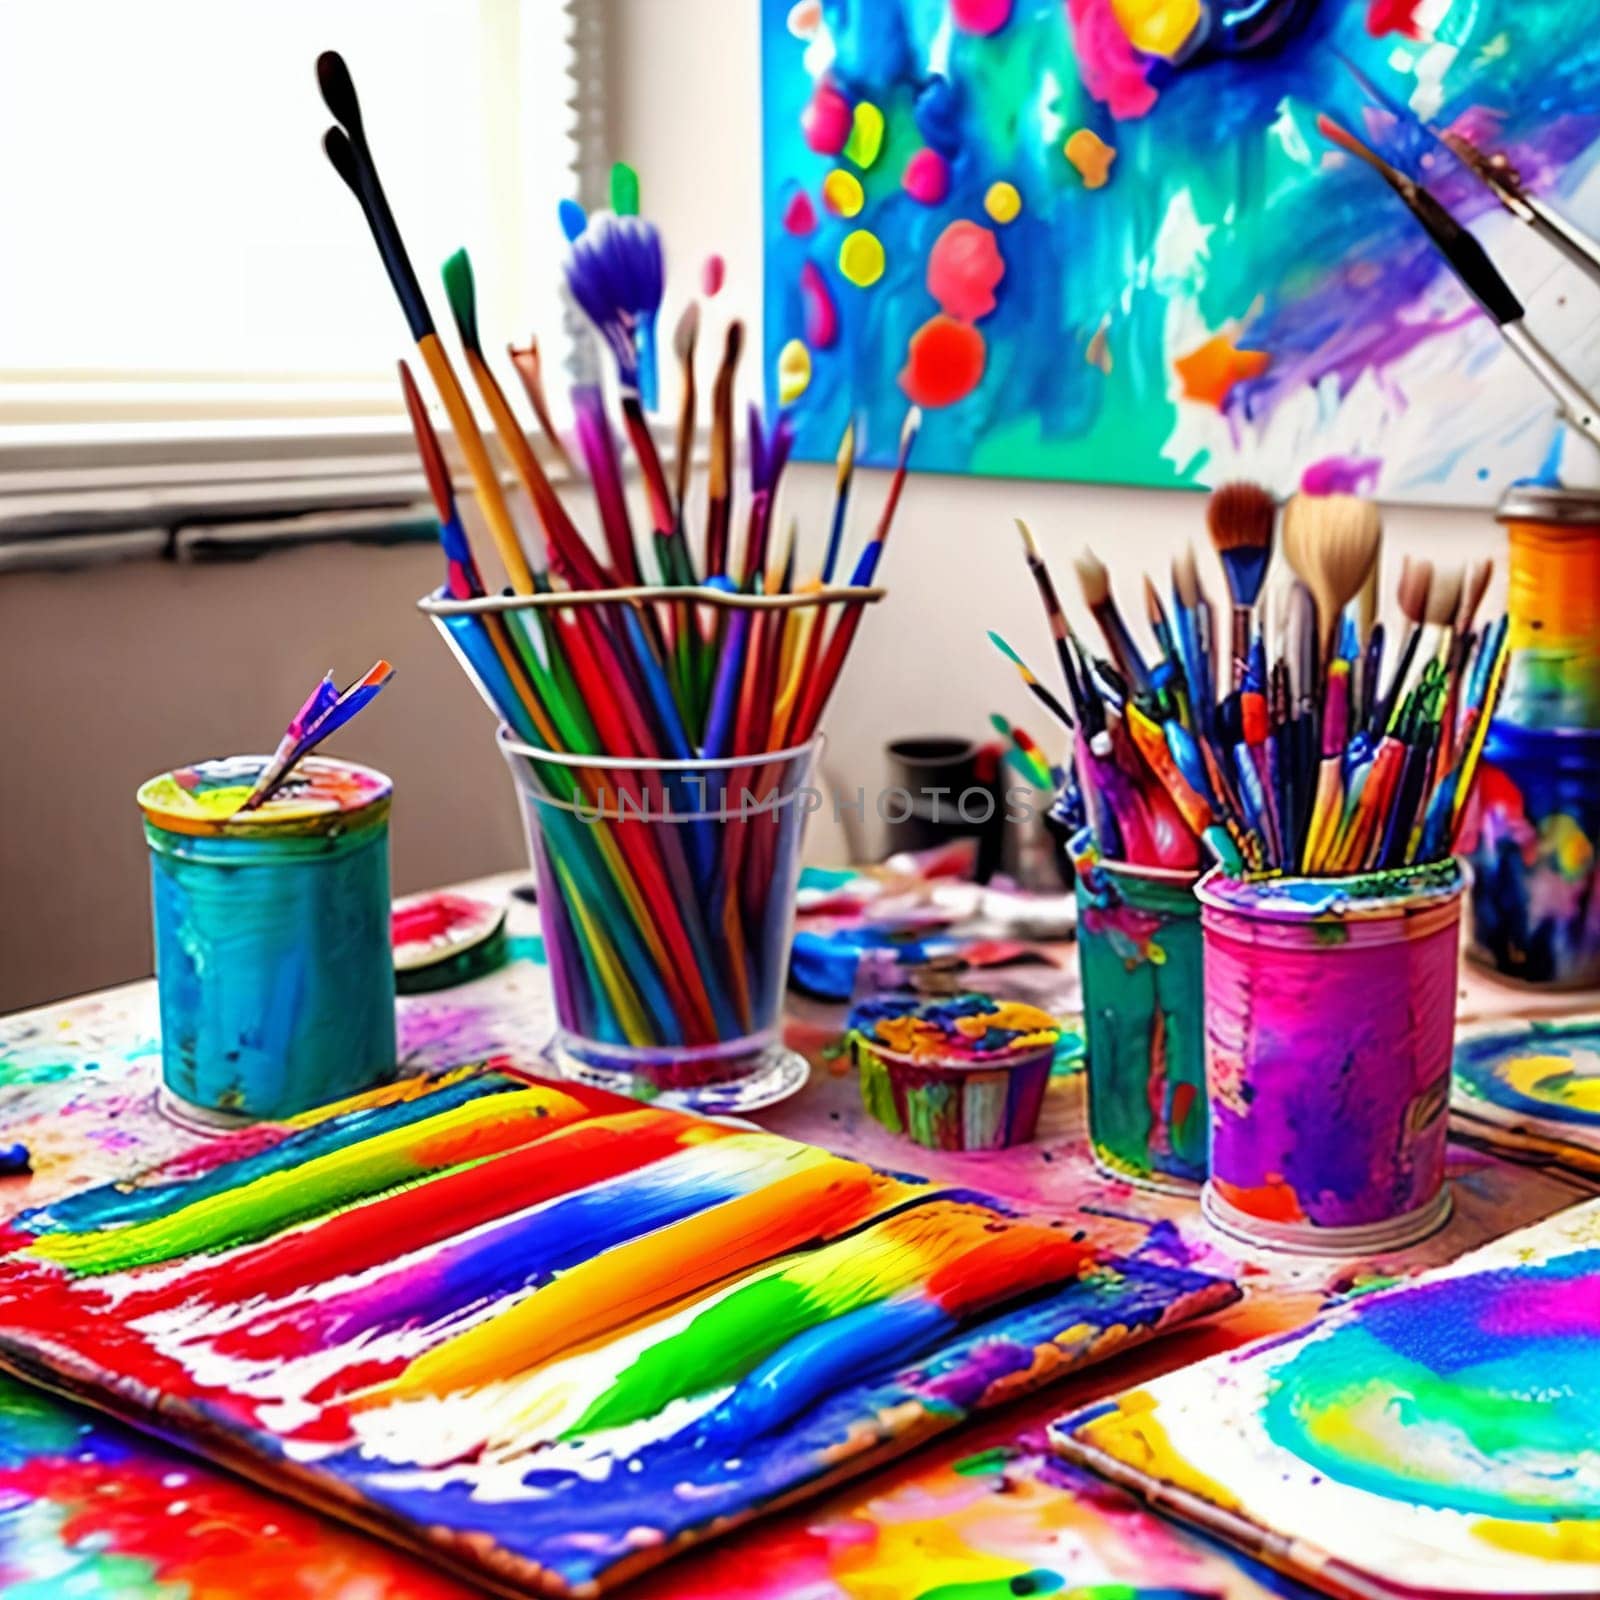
point(1434, 1439)
point(545, 1336)
point(1532, 1089)
point(1103, 240)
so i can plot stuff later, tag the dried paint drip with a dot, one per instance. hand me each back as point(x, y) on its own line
point(1330, 1009)
point(1535, 870)
point(965, 1073)
point(272, 945)
point(1139, 951)
point(549, 1331)
point(1432, 1439)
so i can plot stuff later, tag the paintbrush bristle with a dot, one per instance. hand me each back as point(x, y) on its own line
point(1347, 141)
point(1240, 519)
point(1029, 544)
point(1415, 579)
point(1094, 579)
point(686, 332)
point(1153, 607)
point(1186, 579)
point(1444, 595)
point(462, 294)
point(1331, 541)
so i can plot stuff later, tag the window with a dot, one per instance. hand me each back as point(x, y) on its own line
point(185, 277)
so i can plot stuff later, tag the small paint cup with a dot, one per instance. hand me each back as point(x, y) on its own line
point(1535, 874)
point(1140, 957)
point(1330, 1013)
point(965, 1097)
point(273, 958)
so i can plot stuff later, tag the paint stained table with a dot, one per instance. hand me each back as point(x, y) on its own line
point(89, 1508)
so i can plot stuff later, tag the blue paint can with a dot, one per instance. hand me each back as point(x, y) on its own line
point(273, 954)
point(1535, 877)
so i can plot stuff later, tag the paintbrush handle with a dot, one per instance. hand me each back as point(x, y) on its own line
point(1241, 644)
point(1576, 404)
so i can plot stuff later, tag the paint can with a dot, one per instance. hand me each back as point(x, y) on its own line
point(1535, 899)
point(1330, 1015)
point(274, 964)
point(963, 1072)
point(1552, 608)
point(1140, 958)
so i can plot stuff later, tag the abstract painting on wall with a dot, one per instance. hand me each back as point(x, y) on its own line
point(1435, 1439)
point(1104, 240)
point(546, 1336)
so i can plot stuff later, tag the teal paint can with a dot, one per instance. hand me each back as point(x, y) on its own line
point(1141, 959)
point(274, 961)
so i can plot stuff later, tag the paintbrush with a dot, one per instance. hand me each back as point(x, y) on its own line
point(568, 552)
point(684, 337)
point(462, 578)
point(1331, 541)
point(844, 471)
point(325, 711)
point(350, 156)
point(1040, 693)
point(1416, 578)
point(1034, 763)
point(530, 370)
point(817, 691)
point(1187, 598)
point(719, 481)
point(1060, 631)
point(1096, 585)
point(1240, 519)
point(1482, 280)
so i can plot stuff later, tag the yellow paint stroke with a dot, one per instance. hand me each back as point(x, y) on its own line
point(1209, 373)
point(1528, 1075)
point(866, 135)
point(1546, 1541)
point(1002, 202)
point(842, 193)
point(794, 371)
point(861, 258)
point(1131, 1434)
point(1092, 156)
point(1157, 27)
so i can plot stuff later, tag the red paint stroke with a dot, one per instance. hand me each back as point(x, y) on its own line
point(964, 266)
point(821, 317)
point(944, 362)
point(436, 917)
point(926, 177)
point(981, 17)
point(799, 215)
point(1112, 70)
point(1209, 373)
point(1394, 16)
point(826, 120)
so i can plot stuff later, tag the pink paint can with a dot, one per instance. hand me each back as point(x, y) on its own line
point(1330, 1016)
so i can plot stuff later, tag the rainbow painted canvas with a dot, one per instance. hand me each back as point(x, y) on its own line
point(544, 1335)
point(1437, 1439)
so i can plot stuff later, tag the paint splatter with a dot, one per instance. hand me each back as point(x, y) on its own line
point(821, 317)
point(827, 120)
point(794, 371)
point(713, 272)
point(842, 193)
point(1342, 475)
point(1091, 156)
point(799, 214)
point(1159, 27)
point(1002, 202)
point(1112, 72)
point(982, 17)
point(1209, 372)
point(1394, 16)
point(964, 268)
point(866, 135)
point(926, 178)
point(861, 258)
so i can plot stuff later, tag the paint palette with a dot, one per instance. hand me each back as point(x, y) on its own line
point(1435, 1439)
point(545, 1335)
point(1533, 1088)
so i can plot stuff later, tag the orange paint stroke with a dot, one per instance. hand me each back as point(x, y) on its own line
point(1209, 373)
point(944, 362)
